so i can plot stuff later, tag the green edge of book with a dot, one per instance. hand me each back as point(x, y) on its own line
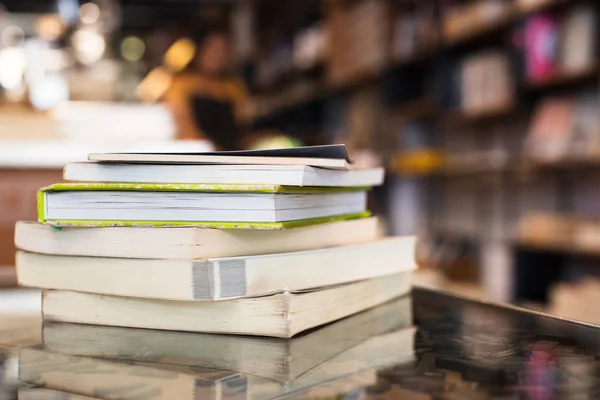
point(273, 226)
point(196, 187)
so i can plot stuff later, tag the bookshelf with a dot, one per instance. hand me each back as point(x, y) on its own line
point(421, 124)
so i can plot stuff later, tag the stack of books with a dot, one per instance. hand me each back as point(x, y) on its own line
point(268, 243)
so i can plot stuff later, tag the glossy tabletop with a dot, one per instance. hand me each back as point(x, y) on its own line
point(429, 345)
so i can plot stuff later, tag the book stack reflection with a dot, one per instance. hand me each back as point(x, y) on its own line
point(128, 363)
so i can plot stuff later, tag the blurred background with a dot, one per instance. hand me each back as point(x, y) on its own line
point(485, 114)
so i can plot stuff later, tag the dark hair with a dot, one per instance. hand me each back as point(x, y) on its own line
point(200, 36)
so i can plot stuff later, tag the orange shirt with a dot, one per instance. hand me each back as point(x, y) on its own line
point(185, 87)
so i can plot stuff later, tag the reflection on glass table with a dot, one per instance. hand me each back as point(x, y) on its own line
point(429, 345)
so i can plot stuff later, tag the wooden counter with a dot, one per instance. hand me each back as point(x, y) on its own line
point(18, 188)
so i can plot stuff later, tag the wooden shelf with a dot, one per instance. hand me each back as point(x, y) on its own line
point(461, 117)
point(414, 110)
point(421, 55)
point(478, 170)
point(518, 167)
point(565, 163)
point(544, 6)
point(554, 247)
point(514, 14)
point(563, 78)
point(313, 94)
point(483, 28)
point(318, 92)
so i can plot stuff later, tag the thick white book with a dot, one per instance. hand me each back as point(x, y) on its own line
point(282, 360)
point(219, 278)
point(349, 370)
point(280, 315)
point(189, 243)
point(179, 203)
point(288, 175)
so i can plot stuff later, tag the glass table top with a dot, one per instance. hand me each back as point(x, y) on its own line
point(429, 345)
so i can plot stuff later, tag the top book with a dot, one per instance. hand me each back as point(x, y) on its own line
point(329, 156)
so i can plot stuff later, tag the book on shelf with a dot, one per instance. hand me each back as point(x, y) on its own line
point(216, 206)
point(279, 315)
point(541, 46)
point(132, 379)
point(285, 175)
point(189, 243)
point(552, 129)
point(579, 39)
point(281, 360)
point(486, 83)
point(585, 140)
point(218, 278)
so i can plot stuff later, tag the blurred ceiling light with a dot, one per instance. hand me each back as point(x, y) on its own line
point(12, 68)
point(89, 13)
point(180, 54)
point(133, 48)
point(90, 46)
point(12, 35)
point(50, 27)
point(154, 85)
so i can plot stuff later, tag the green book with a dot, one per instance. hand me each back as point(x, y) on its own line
point(270, 207)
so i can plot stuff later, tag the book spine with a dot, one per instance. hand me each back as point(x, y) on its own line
point(41, 206)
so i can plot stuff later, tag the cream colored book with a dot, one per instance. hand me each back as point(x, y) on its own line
point(279, 315)
point(218, 278)
point(189, 243)
point(282, 360)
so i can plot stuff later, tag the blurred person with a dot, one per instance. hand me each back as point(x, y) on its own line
point(210, 102)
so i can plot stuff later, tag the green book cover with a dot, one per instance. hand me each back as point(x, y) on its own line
point(209, 188)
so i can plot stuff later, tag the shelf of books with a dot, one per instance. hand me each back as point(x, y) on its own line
point(485, 111)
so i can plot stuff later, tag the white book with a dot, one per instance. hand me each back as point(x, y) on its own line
point(282, 360)
point(280, 315)
point(189, 243)
point(192, 206)
point(220, 278)
point(289, 175)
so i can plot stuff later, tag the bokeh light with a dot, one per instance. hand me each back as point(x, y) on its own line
point(50, 27)
point(89, 13)
point(12, 35)
point(132, 48)
point(90, 46)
